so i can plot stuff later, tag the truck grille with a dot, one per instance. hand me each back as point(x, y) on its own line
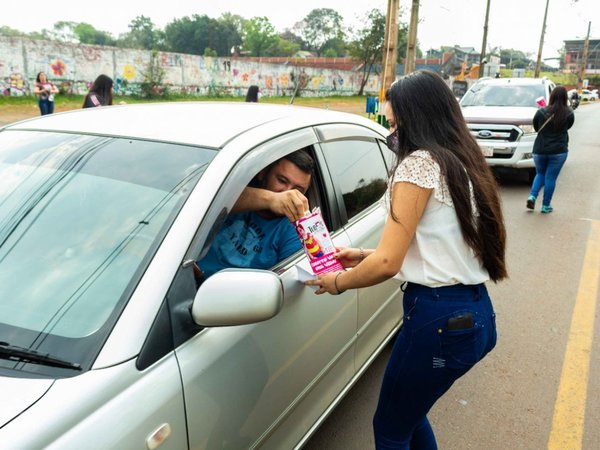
point(495, 133)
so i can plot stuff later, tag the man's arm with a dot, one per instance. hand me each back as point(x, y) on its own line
point(292, 204)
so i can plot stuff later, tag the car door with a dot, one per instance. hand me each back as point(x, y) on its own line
point(359, 174)
point(265, 384)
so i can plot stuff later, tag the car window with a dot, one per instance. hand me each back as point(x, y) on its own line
point(80, 217)
point(359, 170)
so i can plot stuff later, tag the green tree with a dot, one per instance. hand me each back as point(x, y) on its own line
point(143, 34)
point(8, 31)
point(335, 47)
point(194, 34)
point(284, 47)
point(403, 42)
point(230, 30)
point(320, 26)
point(259, 36)
point(63, 31)
point(367, 46)
point(153, 76)
point(87, 34)
point(513, 59)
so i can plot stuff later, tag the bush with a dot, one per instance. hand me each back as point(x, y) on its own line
point(153, 84)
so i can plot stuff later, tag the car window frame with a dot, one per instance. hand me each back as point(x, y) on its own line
point(349, 132)
point(179, 296)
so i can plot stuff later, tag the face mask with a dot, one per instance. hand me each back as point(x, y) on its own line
point(392, 141)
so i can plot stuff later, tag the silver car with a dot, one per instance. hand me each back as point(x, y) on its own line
point(106, 342)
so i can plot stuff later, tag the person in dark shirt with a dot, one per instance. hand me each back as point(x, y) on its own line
point(551, 146)
point(100, 94)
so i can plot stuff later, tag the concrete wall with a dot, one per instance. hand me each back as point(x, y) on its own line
point(74, 67)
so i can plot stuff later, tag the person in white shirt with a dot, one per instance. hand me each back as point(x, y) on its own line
point(444, 237)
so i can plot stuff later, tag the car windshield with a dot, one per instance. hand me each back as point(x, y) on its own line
point(484, 94)
point(80, 219)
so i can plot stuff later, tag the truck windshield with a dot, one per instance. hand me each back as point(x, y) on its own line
point(483, 94)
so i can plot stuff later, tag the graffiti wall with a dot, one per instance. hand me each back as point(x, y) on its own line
point(74, 67)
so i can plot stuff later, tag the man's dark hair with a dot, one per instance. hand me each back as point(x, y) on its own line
point(302, 159)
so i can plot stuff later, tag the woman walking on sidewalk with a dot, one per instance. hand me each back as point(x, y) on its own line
point(551, 146)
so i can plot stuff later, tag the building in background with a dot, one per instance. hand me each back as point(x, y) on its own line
point(574, 56)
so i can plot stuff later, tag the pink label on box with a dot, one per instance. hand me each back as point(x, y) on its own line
point(317, 244)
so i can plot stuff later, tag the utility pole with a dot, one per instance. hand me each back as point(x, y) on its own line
point(584, 58)
point(482, 59)
point(411, 46)
point(538, 64)
point(390, 51)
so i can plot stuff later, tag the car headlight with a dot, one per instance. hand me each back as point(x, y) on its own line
point(527, 129)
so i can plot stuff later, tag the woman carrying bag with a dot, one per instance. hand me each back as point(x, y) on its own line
point(551, 146)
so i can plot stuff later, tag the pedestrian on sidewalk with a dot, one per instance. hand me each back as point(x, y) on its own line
point(45, 91)
point(551, 146)
point(445, 237)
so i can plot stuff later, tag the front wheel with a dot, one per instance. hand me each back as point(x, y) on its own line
point(530, 175)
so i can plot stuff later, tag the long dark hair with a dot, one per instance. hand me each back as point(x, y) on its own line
point(559, 106)
point(102, 87)
point(428, 117)
point(252, 94)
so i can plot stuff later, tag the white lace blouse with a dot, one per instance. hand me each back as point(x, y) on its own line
point(438, 255)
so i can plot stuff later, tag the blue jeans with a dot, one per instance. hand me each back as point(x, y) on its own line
point(547, 168)
point(46, 106)
point(427, 358)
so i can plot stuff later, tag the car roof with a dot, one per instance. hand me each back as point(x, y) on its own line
point(209, 124)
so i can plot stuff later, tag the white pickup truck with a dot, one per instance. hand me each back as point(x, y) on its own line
point(499, 112)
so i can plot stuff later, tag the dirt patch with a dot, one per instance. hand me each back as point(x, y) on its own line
point(15, 113)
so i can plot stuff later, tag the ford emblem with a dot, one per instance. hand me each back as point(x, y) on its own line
point(484, 134)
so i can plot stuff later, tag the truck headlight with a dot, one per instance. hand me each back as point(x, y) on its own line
point(527, 129)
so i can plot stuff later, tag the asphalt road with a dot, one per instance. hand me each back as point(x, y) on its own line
point(520, 397)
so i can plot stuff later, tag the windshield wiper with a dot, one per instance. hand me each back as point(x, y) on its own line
point(26, 355)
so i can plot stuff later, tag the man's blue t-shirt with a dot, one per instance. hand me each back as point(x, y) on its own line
point(248, 240)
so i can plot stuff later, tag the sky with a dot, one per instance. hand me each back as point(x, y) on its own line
point(513, 24)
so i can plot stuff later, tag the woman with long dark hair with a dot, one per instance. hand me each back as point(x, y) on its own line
point(45, 90)
point(551, 146)
point(253, 94)
point(445, 237)
point(101, 92)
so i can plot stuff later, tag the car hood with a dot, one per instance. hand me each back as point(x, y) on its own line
point(515, 115)
point(18, 394)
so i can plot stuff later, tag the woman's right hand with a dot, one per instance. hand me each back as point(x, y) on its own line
point(348, 256)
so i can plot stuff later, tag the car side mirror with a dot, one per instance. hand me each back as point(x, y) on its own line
point(237, 297)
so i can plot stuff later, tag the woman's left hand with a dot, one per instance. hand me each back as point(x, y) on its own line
point(326, 283)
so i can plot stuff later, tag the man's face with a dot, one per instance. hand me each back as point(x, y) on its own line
point(284, 176)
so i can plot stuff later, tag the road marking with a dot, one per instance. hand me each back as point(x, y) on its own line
point(569, 409)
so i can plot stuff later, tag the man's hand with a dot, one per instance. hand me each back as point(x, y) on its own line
point(292, 204)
